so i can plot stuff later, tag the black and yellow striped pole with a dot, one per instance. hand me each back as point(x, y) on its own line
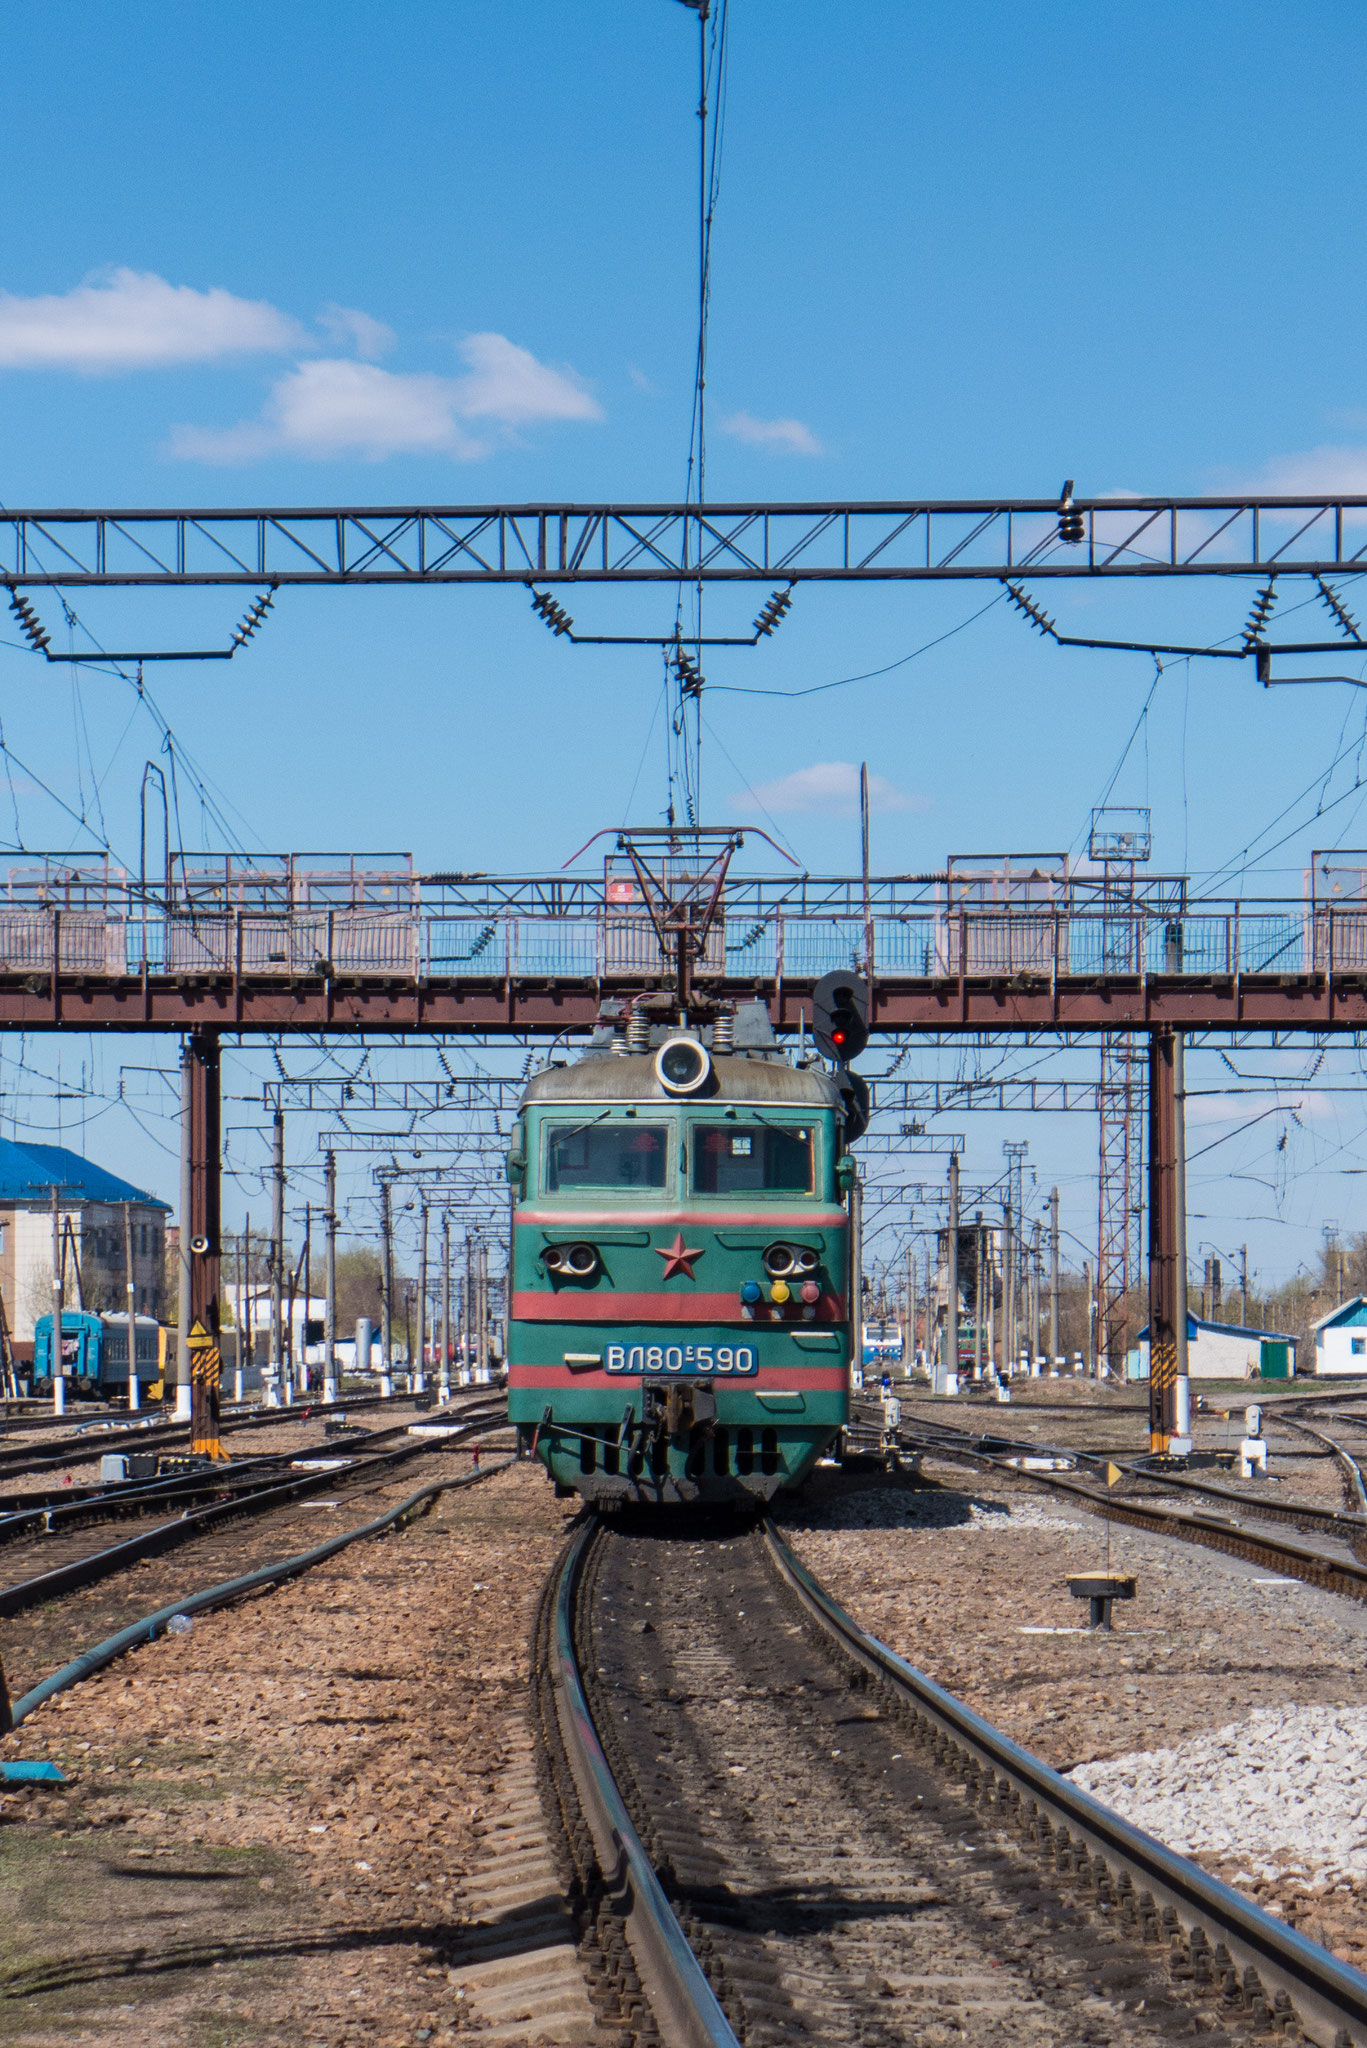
point(202, 1057)
point(1166, 1251)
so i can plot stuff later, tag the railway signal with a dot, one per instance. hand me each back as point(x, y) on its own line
point(840, 1016)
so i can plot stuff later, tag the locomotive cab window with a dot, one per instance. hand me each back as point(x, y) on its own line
point(744, 1159)
point(625, 1157)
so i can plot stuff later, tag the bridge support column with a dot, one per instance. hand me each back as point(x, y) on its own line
point(1169, 1387)
point(205, 1161)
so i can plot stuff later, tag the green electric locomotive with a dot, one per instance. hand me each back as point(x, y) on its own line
point(679, 1326)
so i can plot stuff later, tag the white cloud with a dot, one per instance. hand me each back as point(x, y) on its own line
point(133, 320)
point(507, 383)
point(370, 338)
point(830, 787)
point(789, 437)
point(333, 408)
point(1318, 471)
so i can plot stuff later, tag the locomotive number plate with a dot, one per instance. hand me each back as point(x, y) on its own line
point(729, 1359)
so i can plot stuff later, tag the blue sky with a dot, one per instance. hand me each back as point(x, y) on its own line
point(325, 253)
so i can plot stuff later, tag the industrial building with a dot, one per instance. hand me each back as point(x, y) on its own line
point(1224, 1351)
point(93, 1209)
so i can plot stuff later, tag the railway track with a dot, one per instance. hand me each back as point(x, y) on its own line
point(1339, 1565)
point(770, 1829)
point(93, 1439)
point(83, 1591)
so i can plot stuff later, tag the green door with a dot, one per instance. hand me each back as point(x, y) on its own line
point(1276, 1359)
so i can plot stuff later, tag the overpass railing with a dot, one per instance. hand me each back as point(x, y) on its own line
point(922, 944)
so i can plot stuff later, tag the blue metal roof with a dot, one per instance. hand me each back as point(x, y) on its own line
point(28, 1173)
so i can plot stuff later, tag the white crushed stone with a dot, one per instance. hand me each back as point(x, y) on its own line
point(897, 1508)
point(1284, 1790)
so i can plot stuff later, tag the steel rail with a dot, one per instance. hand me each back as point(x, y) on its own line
point(78, 1506)
point(76, 1449)
point(145, 1629)
point(683, 2001)
point(1347, 1463)
point(1126, 1868)
point(1349, 1526)
point(1296, 1560)
point(194, 1523)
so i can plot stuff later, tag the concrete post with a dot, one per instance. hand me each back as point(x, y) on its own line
point(330, 1283)
point(131, 1293)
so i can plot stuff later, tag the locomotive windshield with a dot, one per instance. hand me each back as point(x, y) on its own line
point(744, 1159)
point(626, 1156)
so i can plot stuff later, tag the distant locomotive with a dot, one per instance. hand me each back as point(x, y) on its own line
point(679, 1324)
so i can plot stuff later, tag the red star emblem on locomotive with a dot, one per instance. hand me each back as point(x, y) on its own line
point(678, 1257)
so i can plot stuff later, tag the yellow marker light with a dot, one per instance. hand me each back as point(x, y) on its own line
point(780, 1292)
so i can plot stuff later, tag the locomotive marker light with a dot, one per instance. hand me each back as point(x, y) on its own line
point(683, 1066)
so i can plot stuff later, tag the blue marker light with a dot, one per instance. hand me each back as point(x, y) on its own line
point(751, 1292)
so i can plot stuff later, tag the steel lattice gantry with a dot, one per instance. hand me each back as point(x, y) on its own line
point(863, 541)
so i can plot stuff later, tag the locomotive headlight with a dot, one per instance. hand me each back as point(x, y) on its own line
point(779, 1259)
point(805, 1258)
point(682, 1066)
point(572, 1261)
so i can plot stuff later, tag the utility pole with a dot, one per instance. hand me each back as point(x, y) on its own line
point(130, 1288)
point(243, 1318)
point(444, 1372)
point(1243, 1285)
point(1036, 1276)
point(855, 1204)
point(184, 1397)
point(420, 1334)
point(951, 1358)
point(1183, 1411)
point(1053, 1273)
point(386, 1284)
point(330, 1280)
point(278, 1348)
point(909, 1340)
point(1089, 1340)
point(58, 1380)
point(979, 1275)
point(1008, 1289)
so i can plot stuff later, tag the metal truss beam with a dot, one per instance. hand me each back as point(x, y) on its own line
point(531, 1007)
point(922, 540)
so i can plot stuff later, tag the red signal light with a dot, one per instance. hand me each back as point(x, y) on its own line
point(838, 1037)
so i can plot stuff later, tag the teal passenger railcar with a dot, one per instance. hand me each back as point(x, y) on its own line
point(679, 1325)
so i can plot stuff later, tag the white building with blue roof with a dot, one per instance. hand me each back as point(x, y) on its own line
point(1341, 1339)
point(93, 1207)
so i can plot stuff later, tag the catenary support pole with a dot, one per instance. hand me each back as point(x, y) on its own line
point(55, 1355)
point(205, 1163)
point(1008, 1290)
point(279, 1369)
point(982, 1288)
point(420, 1331)
point(1053, 1274)
point(1182, 1387)
point(1164, 1241)
point(242, 1318)
point(856, 1309)
point(330, 1281)
point(444, 1370)
point(183, 1254)
point(131, 1299)
point(386, 1283)
point(951, 1357)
